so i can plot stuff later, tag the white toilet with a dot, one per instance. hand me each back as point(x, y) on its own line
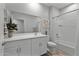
point(52, 46)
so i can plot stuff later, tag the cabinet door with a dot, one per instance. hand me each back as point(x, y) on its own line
point(10, 51)
point(35, 47)
point(43, 45)
point(25, 49)
point(11, 48)
point(1, 52)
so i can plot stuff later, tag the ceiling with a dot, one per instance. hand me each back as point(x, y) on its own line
point(57, 5)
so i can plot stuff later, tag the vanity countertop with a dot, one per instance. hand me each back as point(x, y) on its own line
point(24, 36)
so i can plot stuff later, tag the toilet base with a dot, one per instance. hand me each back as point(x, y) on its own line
point(52, 48)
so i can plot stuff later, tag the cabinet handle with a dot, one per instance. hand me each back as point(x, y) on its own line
point(18, 51)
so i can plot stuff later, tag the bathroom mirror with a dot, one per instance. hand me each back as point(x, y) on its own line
point(27, 23)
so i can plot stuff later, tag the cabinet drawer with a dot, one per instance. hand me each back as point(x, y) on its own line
point(25, 42)
point(17, 43)
point(10, 51)
point(11, 44)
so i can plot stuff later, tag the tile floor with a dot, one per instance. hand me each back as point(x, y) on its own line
point(56, 53)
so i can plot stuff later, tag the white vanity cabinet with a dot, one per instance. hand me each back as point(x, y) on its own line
point(26, 47)
point(18, 48)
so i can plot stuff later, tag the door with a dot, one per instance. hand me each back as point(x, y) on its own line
point(43, 45)
point(35, 47)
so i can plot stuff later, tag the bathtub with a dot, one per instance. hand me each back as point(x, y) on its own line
point(67, 47)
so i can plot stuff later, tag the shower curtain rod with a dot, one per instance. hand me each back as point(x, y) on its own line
point(64, 13)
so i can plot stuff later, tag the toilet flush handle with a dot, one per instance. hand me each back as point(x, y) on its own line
point(57, 36)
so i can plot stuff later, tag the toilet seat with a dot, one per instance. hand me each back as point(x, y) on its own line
point(51, 44)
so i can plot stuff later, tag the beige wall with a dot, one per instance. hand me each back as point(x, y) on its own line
point(29, 8)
